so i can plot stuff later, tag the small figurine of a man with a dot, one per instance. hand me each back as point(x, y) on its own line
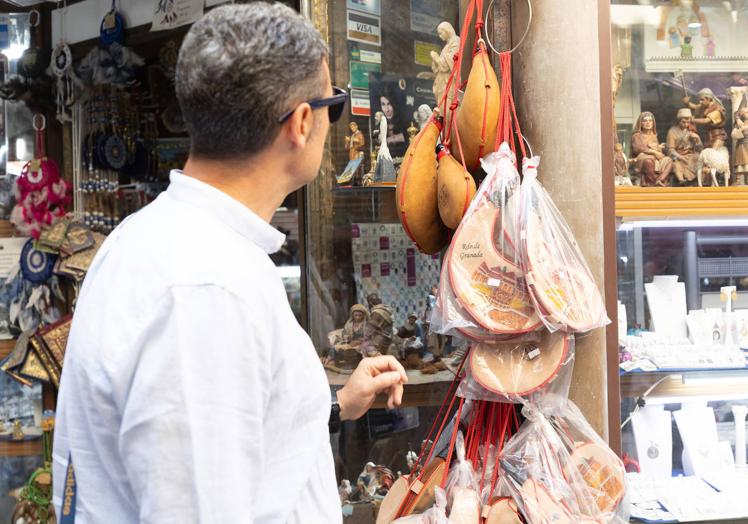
point(686, 48)
point(355, 142)
point(684, 145)
point(443, 63)
point(709, 113)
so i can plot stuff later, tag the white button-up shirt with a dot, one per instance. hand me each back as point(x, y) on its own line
point(189, 391)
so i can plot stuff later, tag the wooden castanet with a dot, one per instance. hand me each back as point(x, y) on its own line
point(416, 191)
point(517, 367)
point(478, 113)
point(393, 501)
point(456, 188)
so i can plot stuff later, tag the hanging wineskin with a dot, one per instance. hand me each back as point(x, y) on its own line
point(416, 191)
point(478, 113)
point(456, 188)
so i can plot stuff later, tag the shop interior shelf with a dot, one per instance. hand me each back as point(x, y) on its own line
point(27, 448)
point(673, 384)
point(421, 390)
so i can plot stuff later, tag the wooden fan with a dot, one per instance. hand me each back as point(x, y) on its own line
point(416, 191)
point(489, 286)
point(519, 367)
point(560, 285)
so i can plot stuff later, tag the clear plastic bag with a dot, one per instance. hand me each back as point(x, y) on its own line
point(536, 370)
point(553, 477)
point(436, 514)
point(560, 282)
point(462, 488)
point(484, 268)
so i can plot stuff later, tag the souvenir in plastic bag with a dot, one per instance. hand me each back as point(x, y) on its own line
point(517, 368)
point(462, 488)
point(484, 267)
point(559, 279)
point(551, 480)
point(437, 514)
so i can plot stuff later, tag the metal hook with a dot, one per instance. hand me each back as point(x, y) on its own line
point(523, 137)
point(39, 126)
point(521, 40)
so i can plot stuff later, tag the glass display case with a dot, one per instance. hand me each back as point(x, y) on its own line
point(362, 272)
point(680, 91)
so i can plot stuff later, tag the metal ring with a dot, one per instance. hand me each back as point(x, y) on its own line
point(38, 18)
point(521, 40)
point(43, 125)
point(528, 144)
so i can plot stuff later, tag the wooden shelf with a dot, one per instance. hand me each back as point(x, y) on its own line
point(634, 385)
point(420, 391)
point(27, 448)
point(662, 202)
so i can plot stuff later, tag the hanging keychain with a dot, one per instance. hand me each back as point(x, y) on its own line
point(62, 67)
point(112, 28)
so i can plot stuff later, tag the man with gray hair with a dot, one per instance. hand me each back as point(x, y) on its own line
point(189, 392)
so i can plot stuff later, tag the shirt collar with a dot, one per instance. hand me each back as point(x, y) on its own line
point(226, 209)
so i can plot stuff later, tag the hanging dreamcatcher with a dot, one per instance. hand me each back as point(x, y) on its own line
point(61, 67)
point(41, 195)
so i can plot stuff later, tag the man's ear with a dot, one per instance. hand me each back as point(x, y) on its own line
point(298, 127)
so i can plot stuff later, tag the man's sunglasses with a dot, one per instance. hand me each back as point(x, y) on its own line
point(335, 105)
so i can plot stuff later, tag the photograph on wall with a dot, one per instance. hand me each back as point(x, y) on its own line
point(398, 99)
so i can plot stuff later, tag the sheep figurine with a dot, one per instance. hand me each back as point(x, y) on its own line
point(714, 161)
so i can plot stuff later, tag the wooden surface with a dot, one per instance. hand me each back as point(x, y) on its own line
point(635, 384)
point(6, 346)
point(21, 449)
point(420, 391)
point(681, 201)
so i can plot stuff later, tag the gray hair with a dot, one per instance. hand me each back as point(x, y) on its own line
point(240, 68)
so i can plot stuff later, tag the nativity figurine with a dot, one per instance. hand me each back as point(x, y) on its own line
point(714, 161)
point(710, 114)
point(684, 145)
point(740, 134)
point(378, 332)
point(650, 161)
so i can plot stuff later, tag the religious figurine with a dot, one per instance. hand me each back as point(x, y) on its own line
point(353, 171)
point(709, 113)
point(355, 142)
point(411, 334)
point(422, 115)
point(443, 63)
point(740, 134)
point(373, 299)
point(412, 132)
point(374, 480)
point(684, 145)
point(714, 161)
point(353, 331)
point(378, 332)
point(620, 162)
point(385, 170)
point(649, 158)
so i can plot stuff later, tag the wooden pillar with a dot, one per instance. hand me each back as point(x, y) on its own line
point(561, 99)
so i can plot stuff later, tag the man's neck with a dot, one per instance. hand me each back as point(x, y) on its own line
point(254, 183)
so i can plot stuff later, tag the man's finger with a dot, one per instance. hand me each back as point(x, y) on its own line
point(386, 380)
point(383, 363)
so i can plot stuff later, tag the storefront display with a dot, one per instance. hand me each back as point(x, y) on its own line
point(681, 278)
